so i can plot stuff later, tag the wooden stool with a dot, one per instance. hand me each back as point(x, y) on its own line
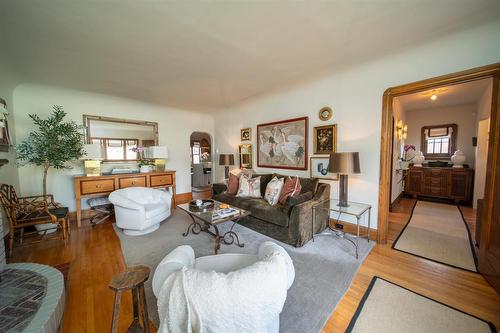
point(133, 278)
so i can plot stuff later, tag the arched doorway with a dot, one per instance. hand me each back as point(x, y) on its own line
point(201, 165)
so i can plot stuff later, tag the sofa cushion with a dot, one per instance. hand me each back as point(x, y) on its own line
point(264, 180)
point(226, 198)
point(233, 184)
point(309, 185)
point(260, 209)
point(292, 188)
point(293, 201)
point(249, 187)
point(153, 209)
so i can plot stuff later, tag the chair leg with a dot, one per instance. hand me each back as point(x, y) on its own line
point(22, 236)
point(63, 225)
point(116, 307)
point(144, 308)
point(68, 223)
point(11, 242)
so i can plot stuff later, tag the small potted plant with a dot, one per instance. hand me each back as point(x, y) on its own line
point(407, 158)
point(145, 165)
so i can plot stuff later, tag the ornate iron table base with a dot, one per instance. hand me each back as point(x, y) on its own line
point(228, 238)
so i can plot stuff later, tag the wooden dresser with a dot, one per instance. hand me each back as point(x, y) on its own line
point(86, 187)
point(445, 183)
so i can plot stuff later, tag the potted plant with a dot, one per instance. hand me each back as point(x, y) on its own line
point(406, 159)
point(145, 165)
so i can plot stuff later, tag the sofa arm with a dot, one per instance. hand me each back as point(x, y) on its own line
point(219, 188)
point(301, 217)
point(181, 256)
point(119, 200)
point(269, 248)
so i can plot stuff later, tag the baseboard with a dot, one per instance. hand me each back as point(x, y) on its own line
point(351, 228)
point(398, 198)
point(181, 198)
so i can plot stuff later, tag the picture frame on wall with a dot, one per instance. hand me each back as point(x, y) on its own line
point(283, 144)
point(325, 139)
point(319, 168)
point(246, 134)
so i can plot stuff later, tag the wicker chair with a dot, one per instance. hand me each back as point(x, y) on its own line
point(23, 212)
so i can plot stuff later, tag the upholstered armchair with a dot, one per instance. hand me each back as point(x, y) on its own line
point(227, 264)
point(139, 210)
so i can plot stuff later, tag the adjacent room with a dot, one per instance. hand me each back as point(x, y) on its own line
point(250, 166)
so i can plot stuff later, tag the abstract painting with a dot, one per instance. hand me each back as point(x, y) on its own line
point(283, 144)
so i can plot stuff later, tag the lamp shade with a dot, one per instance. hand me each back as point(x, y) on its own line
point(156, 152)
point(92, 152)
point(226, 159)
point(344, 163)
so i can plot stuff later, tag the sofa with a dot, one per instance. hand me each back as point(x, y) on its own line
point(139, 210)
point(290, 223)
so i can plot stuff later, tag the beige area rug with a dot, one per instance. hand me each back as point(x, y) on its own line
point(389, 308)
point(438, 232)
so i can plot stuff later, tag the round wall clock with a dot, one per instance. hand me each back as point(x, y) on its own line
point(325, 113)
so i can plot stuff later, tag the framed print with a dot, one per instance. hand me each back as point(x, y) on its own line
point(246, 156)
point(283, 144)
point(325, 139)
point(246, 134)
point(319, 168)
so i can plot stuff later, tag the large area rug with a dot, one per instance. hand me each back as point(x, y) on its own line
point(324, 268)
point(438, 232)
point(389, 308)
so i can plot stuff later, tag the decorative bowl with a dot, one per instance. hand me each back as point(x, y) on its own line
point(201, 205)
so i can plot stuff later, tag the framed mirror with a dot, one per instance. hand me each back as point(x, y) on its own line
point(246, 156)
point(118, 136)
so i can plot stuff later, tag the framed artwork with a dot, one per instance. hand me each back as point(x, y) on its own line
point(246, 156)
point(319, 168)
point(283, 144)
point(325, 139)
point(246, 134)
point(325, 113)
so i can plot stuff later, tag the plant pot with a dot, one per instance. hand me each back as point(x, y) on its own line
point(458, 159)
point(418, 159)
point(146, 168)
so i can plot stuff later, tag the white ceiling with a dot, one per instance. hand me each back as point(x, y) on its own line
point(458, 94)
point(205, 55)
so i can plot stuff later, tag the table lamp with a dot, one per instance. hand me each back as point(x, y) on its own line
point(226, 160)
point(159, 154)
point(344, 164)
point(92, 159)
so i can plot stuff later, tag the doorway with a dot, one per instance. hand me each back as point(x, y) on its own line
point(201, 164)
point(489, 252)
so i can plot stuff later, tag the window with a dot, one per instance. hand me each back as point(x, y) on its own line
point(438, 141)
point(196, 153)
point(118, 149)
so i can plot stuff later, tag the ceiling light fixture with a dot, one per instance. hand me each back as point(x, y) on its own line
point(434, 97)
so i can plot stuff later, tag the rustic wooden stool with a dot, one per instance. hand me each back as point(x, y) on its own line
point(133, 278)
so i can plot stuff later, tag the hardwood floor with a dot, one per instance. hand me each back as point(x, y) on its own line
point(461, 289)
point(95, 257)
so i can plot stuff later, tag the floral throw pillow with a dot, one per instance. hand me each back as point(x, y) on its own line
point(249, 187)
point(273, 190)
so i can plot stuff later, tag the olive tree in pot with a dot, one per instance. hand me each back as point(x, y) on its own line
point(52, 144)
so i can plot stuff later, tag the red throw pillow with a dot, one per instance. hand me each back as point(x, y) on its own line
point(233, 184)
point(292, 188)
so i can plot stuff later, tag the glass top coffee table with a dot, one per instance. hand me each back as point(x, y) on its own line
point(206, 218)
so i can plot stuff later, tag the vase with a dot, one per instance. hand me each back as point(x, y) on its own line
point(418, 159)
point(145, 168)
point(458, 159)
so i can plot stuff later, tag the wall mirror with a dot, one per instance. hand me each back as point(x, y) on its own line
point(246, 156)
point(438, 141)
point(118, 136)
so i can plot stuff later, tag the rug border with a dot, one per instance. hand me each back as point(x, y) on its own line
point(354, 318)
point(471, 244)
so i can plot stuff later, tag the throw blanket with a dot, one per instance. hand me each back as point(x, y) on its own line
point(247, 300)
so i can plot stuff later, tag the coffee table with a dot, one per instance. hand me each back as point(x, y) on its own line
point(205, 219)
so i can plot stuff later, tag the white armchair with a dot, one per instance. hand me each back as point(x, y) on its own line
point(183, 256)
point(139, 210)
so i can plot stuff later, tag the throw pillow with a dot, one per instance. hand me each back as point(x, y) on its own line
point(293, 201)
point(233, 184)
point(291, 187)
point(249, 187)
point(273, 190)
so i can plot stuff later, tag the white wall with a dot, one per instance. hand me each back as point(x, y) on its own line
point(356, 97)
point(175, 127)
point(462, 115)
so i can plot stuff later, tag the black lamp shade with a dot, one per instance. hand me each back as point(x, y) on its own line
point(226, 159)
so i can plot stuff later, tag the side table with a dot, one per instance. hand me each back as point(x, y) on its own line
point(359, 210)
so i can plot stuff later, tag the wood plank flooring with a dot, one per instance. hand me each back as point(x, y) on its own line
point(95, 257)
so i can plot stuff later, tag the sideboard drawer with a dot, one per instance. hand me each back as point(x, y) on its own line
point(97, 186)
point(162, 180)
point(132, 181)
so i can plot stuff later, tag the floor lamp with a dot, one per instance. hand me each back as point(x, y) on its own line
point(344, 164)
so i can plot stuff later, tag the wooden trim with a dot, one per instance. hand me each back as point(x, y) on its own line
point(489, 71)
point(398, 199)
point(351, 228)
point(306, 144)
point(181, 198)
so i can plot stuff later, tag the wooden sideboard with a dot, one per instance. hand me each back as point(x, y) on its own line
point(87, 187)
point(445, 183)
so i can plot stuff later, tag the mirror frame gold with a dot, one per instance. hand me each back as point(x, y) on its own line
point(250, 149)
point(88, 118)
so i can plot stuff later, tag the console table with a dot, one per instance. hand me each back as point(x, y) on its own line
point(87, 187)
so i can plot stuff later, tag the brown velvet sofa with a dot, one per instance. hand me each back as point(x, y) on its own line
point(290, 223)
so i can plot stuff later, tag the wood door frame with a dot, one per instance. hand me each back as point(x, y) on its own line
point(489, 71)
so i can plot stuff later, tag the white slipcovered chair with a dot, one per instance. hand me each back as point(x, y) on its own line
point(183, 257)
point(139, 210)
